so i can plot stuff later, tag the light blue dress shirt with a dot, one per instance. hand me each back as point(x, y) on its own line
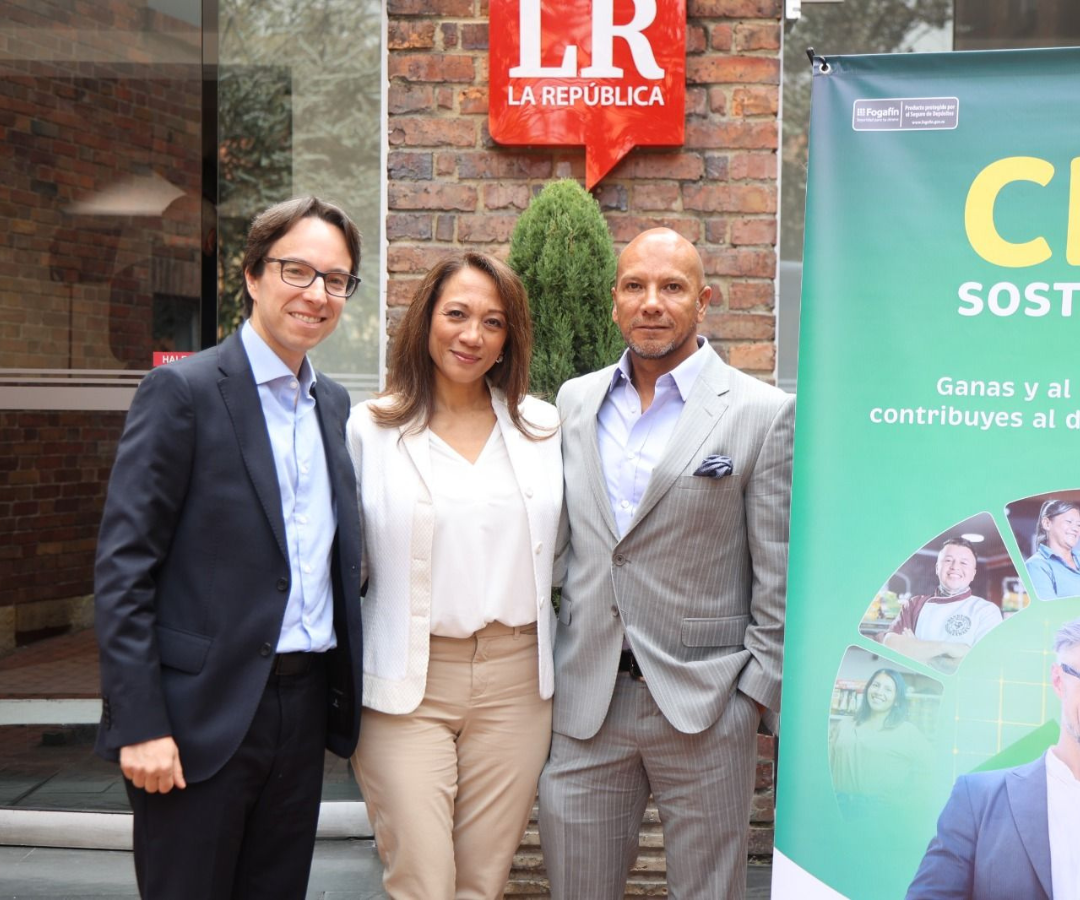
point(1050, 577)
point(630, 442)
point(307, 500)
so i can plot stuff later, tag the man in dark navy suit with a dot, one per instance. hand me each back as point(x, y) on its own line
point(228, 582)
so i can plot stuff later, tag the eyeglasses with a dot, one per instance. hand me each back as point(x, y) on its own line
point(1065, 667)
point(301, 275)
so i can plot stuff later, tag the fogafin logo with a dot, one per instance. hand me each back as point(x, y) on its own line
point(609, 74)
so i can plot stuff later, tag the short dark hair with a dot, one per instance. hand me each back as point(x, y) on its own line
point(958, 542)
point(273, 223)
point(410, 379)
point(899, 712)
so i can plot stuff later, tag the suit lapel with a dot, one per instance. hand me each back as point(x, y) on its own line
point(241, 397)
point(707, 403)
point(418, 445)
point(332, 428)
point(594, 470)
point(1026, 788)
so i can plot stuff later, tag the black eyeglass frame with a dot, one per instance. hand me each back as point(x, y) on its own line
point(354, 280)
point(1065, 667)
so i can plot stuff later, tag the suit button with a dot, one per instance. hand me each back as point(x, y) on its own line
point(620, 559)
point(615, 611)
point(265, 650)
point(283, 584)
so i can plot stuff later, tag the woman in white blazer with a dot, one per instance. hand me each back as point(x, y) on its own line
point(460, 481)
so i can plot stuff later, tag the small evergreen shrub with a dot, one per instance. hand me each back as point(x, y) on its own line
point(562, 249)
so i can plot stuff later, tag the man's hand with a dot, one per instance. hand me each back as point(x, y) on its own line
point(153, 765)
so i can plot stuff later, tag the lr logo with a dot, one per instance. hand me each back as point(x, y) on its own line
point(609, 74)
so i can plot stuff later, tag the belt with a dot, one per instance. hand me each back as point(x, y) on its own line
point(298, 663)
point(627, 663)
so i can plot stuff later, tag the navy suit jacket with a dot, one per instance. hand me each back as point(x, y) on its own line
point(993, 839)
point(192, 572)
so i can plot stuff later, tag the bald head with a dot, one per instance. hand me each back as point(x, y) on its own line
point(659, 297)
point(671, 244)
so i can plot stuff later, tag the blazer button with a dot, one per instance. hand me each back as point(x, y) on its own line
point(283, 584)
point(614, 611)
point(620, 559)
point(265, 650)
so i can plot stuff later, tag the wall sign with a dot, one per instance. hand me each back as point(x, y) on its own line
point(609, 74)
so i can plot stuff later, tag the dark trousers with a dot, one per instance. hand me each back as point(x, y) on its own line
point(248, 831)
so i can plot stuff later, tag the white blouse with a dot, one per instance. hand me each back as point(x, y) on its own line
point(481, 564)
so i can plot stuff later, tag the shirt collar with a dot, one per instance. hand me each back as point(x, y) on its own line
point(1057, 768)
point(684, 374)
point(1046, 553)
point(267, 366)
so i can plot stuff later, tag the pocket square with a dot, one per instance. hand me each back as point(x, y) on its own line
point(715, 466)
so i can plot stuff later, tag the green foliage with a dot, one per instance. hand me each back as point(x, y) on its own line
point(562, 249)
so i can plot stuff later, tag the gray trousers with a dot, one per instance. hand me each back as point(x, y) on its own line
point(593, 795)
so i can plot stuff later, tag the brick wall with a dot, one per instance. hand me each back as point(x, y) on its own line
point(54, 467)
point(450, 185)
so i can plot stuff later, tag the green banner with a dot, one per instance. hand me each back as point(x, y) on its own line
point(938, 400)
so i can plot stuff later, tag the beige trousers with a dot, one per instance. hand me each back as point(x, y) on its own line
point(449, 786)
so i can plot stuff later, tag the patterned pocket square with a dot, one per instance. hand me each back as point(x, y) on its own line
point(715, 466)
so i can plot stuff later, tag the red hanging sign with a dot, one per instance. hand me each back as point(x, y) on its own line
point(609, 74)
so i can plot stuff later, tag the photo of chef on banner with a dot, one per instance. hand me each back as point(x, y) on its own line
point(947, 596)
point(1047, 531)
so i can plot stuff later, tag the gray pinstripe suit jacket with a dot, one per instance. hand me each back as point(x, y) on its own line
point(698, 581)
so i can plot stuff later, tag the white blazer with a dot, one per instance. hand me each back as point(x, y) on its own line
point(393, 472)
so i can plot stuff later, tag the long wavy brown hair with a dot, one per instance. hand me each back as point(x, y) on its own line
point(410, 381)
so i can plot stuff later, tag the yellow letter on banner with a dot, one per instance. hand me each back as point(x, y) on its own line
point(979, 212)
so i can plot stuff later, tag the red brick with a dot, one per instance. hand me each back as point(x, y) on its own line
point(408, 225)
point(445, 227)
point(445, 164)
point(433, 8)
point(753, 231)
point(432, 67)
point(734, 9)
point(431, 196)
point(473, 101)
point(401, 164)
point(740, 262)
point(695, 39)
point(755, 101)
point(624, 228)
point(412, 258)
point(697, 102)
point(720, 37)
point(474, 36)
point(752, 295)
point(718, 100)
point(753, 198)
point(486, 229)
point(740, 134)
point(417, 131)
point(399, 291)
point(644, 164)
point(406, 35)
point(406, 98)
point(731, 70)
point(753, 357)
point(449, 32)
point(739, 326)
point(504, 196)
point(662, 196)
point(753, 166)
point(490, 164)
point(757, 36)
point(444, 97)
point(716, 231)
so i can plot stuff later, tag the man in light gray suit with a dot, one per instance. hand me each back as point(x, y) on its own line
point(1011, 833)
point(670, 631)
